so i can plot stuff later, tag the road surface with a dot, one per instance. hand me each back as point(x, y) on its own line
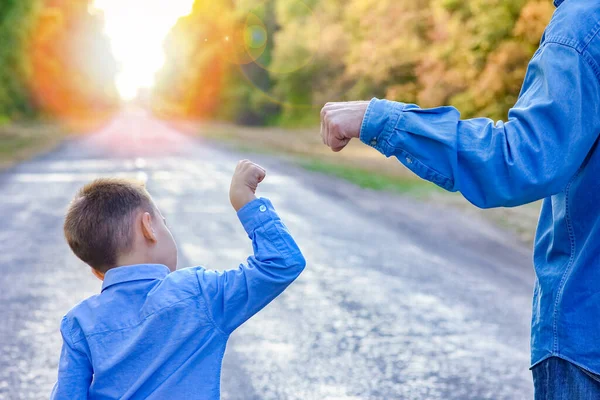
point(399, 300)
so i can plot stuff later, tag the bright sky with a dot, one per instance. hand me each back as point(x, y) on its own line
point(137, 29)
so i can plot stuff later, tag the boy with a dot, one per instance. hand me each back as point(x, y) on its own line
point(154, 332)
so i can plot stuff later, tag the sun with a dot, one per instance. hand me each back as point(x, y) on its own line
point(137, 29)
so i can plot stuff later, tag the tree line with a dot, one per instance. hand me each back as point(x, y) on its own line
point(54, 60)
point(277, 61)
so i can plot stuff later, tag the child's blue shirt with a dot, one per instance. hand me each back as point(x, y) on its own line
point(160, 335)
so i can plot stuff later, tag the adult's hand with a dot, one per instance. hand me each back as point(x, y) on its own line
point(340, 122)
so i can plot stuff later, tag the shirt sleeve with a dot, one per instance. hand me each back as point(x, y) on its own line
point(74, 369)
point(533, 155)
point(234, 296)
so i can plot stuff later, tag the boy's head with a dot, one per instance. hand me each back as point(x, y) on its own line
point(114, 222)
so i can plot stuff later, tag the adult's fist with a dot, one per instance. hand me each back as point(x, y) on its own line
point(340, 122)
point(245, 180)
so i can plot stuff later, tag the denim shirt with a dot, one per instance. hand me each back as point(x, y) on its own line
point(151, 334)
point(546, 150)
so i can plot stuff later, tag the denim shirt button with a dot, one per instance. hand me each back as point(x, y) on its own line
point(373, 142)
point(409, 160)
point(262, 208)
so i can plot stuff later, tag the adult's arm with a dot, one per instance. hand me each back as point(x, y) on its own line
point(533, 155)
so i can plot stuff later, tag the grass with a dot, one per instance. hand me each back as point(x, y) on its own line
point(362, 177)
point(370, 180)
point(19, 142)
point(12, 145)
point(358, 164)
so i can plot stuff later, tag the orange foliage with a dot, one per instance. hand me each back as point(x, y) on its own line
point(191, 80)
point(72, 69)
point(471, 53)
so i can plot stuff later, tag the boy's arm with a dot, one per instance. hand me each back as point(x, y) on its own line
point(74, 369)
point(234, 296)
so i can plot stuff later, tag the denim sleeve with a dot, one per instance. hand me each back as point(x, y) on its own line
point(74, 368)
point(234, 296)
point(533, 155)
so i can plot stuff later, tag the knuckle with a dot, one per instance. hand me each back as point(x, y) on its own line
point(334, 126)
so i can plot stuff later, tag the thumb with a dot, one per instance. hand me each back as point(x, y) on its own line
point(339, 144)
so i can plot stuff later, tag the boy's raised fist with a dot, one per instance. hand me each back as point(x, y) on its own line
point(245, 180)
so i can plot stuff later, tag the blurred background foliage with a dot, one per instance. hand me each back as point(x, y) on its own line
point(276, 62)
point(54, 61)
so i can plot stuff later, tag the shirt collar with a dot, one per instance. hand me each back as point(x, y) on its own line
point(558, 2)
point(134, 273)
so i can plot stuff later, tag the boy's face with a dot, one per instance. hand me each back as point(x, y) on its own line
point(166, 249)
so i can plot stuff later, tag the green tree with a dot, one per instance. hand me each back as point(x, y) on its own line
point(17, 18)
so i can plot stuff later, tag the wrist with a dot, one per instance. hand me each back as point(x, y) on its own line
point(254, 214)
point(240, 198)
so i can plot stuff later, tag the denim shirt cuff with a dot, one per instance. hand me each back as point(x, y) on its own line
point(379, 123)
point(255, 213)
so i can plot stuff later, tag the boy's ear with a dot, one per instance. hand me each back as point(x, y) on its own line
point(147, 228)
point(98, 274)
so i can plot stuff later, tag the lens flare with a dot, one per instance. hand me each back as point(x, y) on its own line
point(309, 41)
point(256, 36)
point(245, 41)
point(224, 43)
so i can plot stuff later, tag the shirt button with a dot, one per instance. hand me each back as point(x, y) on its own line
point(262, 208)
point(409, 160)
point(373, 142)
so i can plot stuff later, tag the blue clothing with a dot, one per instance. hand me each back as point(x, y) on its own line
point(151, 334)
point(546, 150)
point(557, 379)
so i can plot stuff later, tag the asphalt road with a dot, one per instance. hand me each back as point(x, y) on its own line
point(399, 300)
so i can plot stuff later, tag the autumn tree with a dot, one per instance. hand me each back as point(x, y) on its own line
point(471, 53)
point(72, 68)
point(54, 60)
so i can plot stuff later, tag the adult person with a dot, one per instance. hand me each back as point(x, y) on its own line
point(546, 150)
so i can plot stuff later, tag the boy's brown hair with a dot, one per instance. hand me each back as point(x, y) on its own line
point(99, 222)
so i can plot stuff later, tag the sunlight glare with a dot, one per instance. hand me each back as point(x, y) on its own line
point(137, 29)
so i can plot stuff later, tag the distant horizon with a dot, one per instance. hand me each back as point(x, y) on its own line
point(136, 30)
